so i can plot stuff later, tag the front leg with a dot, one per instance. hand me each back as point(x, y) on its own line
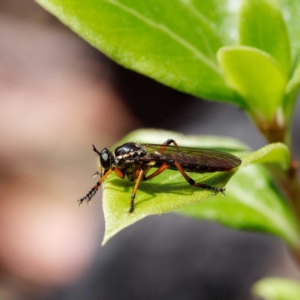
point(88, 197)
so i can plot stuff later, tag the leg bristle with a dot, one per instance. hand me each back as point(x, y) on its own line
point(88, 197)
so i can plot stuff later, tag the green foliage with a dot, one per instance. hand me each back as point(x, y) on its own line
point(277, 289)
point(171, 41)
point(262, 26)
point(246, 69)
point(251, 202)
point(176, 42)
point(246, 53)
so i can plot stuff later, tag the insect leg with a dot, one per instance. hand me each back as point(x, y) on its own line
point(88, 197)
point(166, 144)
point(163, 167)
point(119, 173)
point(187, 178)
point(139, 178)
point(201, 185)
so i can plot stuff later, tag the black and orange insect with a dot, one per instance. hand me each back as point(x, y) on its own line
point(136, 160)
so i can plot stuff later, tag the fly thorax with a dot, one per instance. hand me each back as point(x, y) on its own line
point(124, 160)
point(127, 155)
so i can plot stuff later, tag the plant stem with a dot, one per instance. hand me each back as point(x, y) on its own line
point(289, 183)
point(276, 131)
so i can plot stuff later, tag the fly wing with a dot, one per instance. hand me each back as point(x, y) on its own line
point(191, 159)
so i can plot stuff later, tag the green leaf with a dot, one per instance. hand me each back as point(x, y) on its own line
point(256, 76)
point(164, 193)
point(223, 15)
point(174, 42)
point(291, 92)
point(273, 153)
point(262, 26)
point(290, 11)
point(169, 191)
point(252, 202)
point(277, 289)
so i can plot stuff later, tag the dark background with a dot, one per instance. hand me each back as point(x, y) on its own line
point(59, 95)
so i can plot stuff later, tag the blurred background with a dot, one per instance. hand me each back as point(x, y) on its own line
point(58, 96)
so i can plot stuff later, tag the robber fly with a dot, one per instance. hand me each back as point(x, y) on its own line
point(135, 161)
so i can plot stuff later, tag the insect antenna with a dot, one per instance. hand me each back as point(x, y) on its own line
point(95, 149)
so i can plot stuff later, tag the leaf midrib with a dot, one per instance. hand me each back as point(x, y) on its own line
point(168, 32)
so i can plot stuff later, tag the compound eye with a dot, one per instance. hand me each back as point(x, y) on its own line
point(105, 159)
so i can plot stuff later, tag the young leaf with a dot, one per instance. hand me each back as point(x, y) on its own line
point(256, 76)
point(173, 42)
point(277, 289)
point(273, 153)
point(262, 26)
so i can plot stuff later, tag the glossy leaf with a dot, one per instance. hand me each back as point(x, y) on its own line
point(174, 42)
point(169, 191)
point(256, 76)
point(277, 289)
point(262, 26)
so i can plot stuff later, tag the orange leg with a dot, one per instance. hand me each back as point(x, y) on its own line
point(187, 178)
point(88, 197)
point(140, 173)
point(201, 185)
point(119, 173)
point(139, 178)
point(158, 171)
point(166, 144)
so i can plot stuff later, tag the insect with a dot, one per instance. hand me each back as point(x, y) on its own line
point(135, 161)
